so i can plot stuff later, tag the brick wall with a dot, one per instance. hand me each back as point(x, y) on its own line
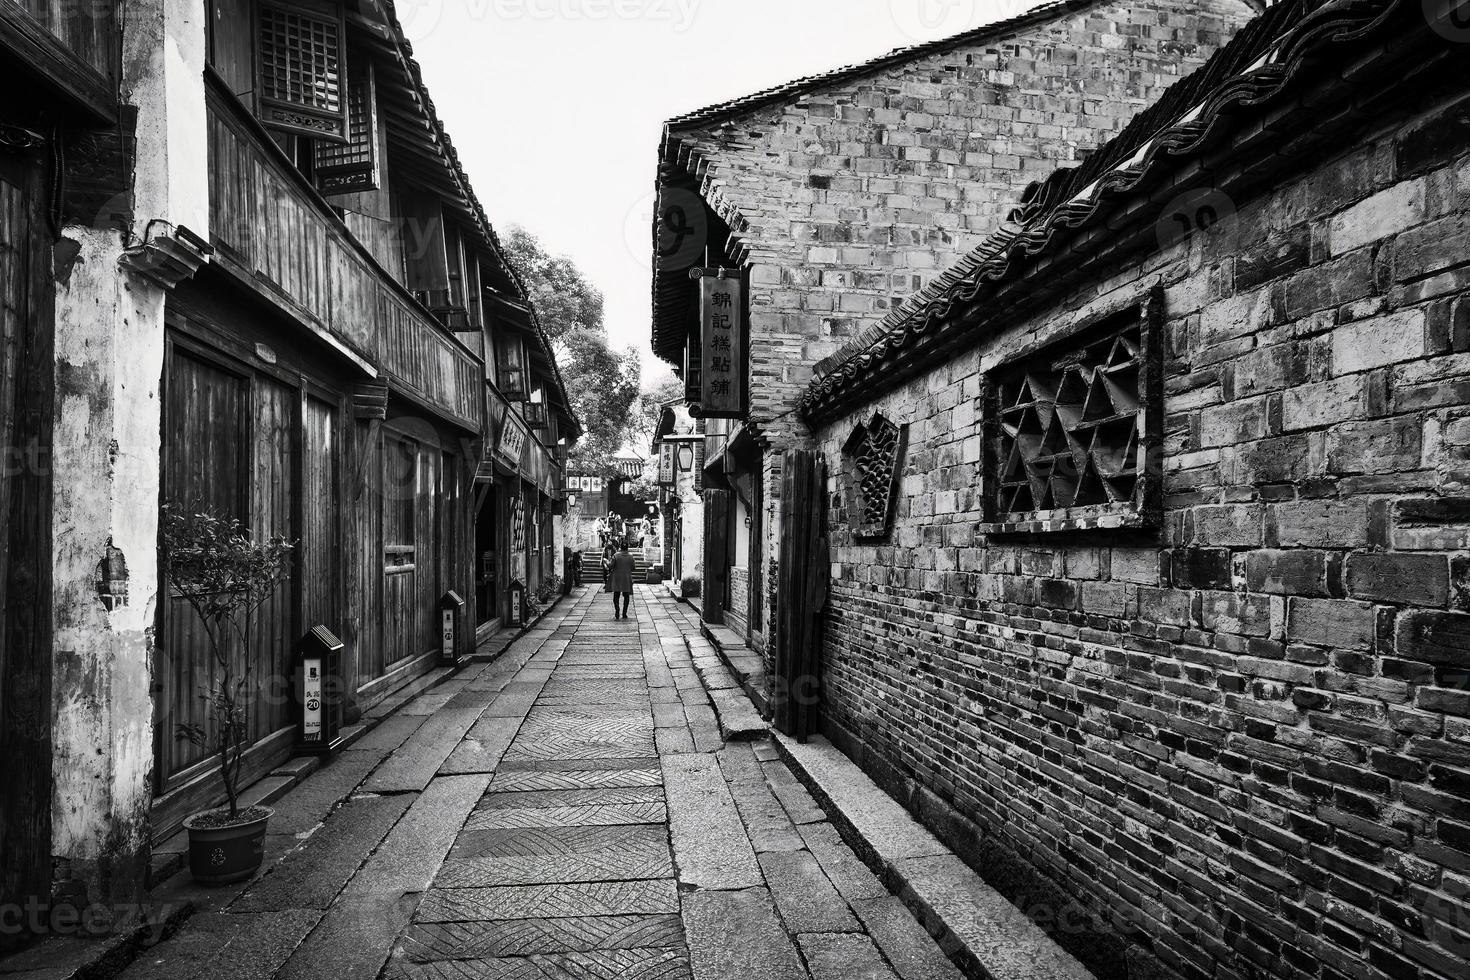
point(738, 614)
point(1242, 742)
point(858, 194)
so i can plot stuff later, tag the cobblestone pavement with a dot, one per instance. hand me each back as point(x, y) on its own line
point(569, 812)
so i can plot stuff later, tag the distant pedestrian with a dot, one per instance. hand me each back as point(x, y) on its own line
point(620, 582)
point(609, 552)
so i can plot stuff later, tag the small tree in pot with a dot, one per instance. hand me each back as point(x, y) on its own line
point(225, 575)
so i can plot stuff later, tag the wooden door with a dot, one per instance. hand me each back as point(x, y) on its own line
point(207, 460)
point(801, 594)
point(321, 541)
point(26, 402)
point(274, 426)
point(401, 541)
point(718, 506)
point(428, 510)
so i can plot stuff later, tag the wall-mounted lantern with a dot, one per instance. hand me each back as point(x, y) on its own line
point(451, 615)
point(685, 458)
point(319, 692)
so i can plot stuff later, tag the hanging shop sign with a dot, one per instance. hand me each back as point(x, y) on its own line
point(513, 435)
point(666, 464)
point(722, 343)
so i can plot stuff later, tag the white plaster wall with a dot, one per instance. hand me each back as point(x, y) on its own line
point(108, 371)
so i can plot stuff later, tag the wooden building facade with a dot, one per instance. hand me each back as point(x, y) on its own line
point(829, 197)
point(358, 370)
point(243, 271)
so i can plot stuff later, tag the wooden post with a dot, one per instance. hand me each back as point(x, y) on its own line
point(27, 399)
point(801, 594)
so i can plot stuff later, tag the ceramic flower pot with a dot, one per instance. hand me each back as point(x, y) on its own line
point(221, 851)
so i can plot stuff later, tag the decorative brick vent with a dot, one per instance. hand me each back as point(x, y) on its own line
point(1072, 429)
point(874, 455)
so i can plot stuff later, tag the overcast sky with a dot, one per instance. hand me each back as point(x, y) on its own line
point(556, 106)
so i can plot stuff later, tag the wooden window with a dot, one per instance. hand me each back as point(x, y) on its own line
point(299, 76)
point(1071, 430)
point(873, 457)
point(351, 167)
point(512, 367)
point(400, 495)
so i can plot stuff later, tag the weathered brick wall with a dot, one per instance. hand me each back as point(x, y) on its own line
point(1246, 736)
point(857, 195)
point(738, 613)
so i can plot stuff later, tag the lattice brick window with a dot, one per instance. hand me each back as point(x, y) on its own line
point(299, 82)
point(874, 454)
point(1071, 430)
point(347, 168)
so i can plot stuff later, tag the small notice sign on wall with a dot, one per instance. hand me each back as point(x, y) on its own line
point(722, 343)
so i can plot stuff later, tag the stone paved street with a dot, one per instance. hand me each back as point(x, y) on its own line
point(568, 811)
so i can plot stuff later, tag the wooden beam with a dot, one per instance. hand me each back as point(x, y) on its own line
point(29, 42)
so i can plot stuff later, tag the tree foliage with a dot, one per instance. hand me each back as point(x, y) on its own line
point(564, 299)
point(603, 386)
point(651, 405)
point(602, 383)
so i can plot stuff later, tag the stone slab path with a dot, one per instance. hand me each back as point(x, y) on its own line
point(571, 811)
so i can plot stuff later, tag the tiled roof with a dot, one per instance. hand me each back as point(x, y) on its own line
point(456, 173)
point(789, 91)
point(1255, 67)
point(671, 303)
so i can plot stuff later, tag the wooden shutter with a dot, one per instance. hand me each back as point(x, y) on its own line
point(353, 166)
point(300, 86)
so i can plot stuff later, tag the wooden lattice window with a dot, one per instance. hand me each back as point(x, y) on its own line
point(299, 81)
point(1072, 429)
point(874, 456)
point(350, 167)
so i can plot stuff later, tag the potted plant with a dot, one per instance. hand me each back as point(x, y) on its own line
point(225, 574)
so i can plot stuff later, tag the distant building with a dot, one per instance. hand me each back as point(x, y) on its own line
point(678, 446)
point(832, 198)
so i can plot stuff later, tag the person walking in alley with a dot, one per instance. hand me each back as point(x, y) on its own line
point(620, 582)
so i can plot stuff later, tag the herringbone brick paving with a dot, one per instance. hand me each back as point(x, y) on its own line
point(545, 845)
point(565, 867)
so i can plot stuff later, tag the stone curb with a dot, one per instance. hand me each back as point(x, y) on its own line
point(738, 719)
point(733, 655)
point(986, 936)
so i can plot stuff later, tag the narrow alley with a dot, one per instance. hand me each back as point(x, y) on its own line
point(570, 810)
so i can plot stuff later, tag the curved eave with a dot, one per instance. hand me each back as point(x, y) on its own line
point(1019, 266)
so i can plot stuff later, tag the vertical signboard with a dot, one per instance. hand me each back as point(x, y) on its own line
point(666, 464)
point(722, 344)
point(311, 701)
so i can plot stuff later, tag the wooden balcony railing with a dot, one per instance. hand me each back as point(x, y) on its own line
point(269, 226)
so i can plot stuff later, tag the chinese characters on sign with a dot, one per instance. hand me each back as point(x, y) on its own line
point(722, 346)
point(666, 464)
point(512, 439)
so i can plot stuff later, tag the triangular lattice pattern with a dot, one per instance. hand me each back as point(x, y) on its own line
point(1070, 428)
